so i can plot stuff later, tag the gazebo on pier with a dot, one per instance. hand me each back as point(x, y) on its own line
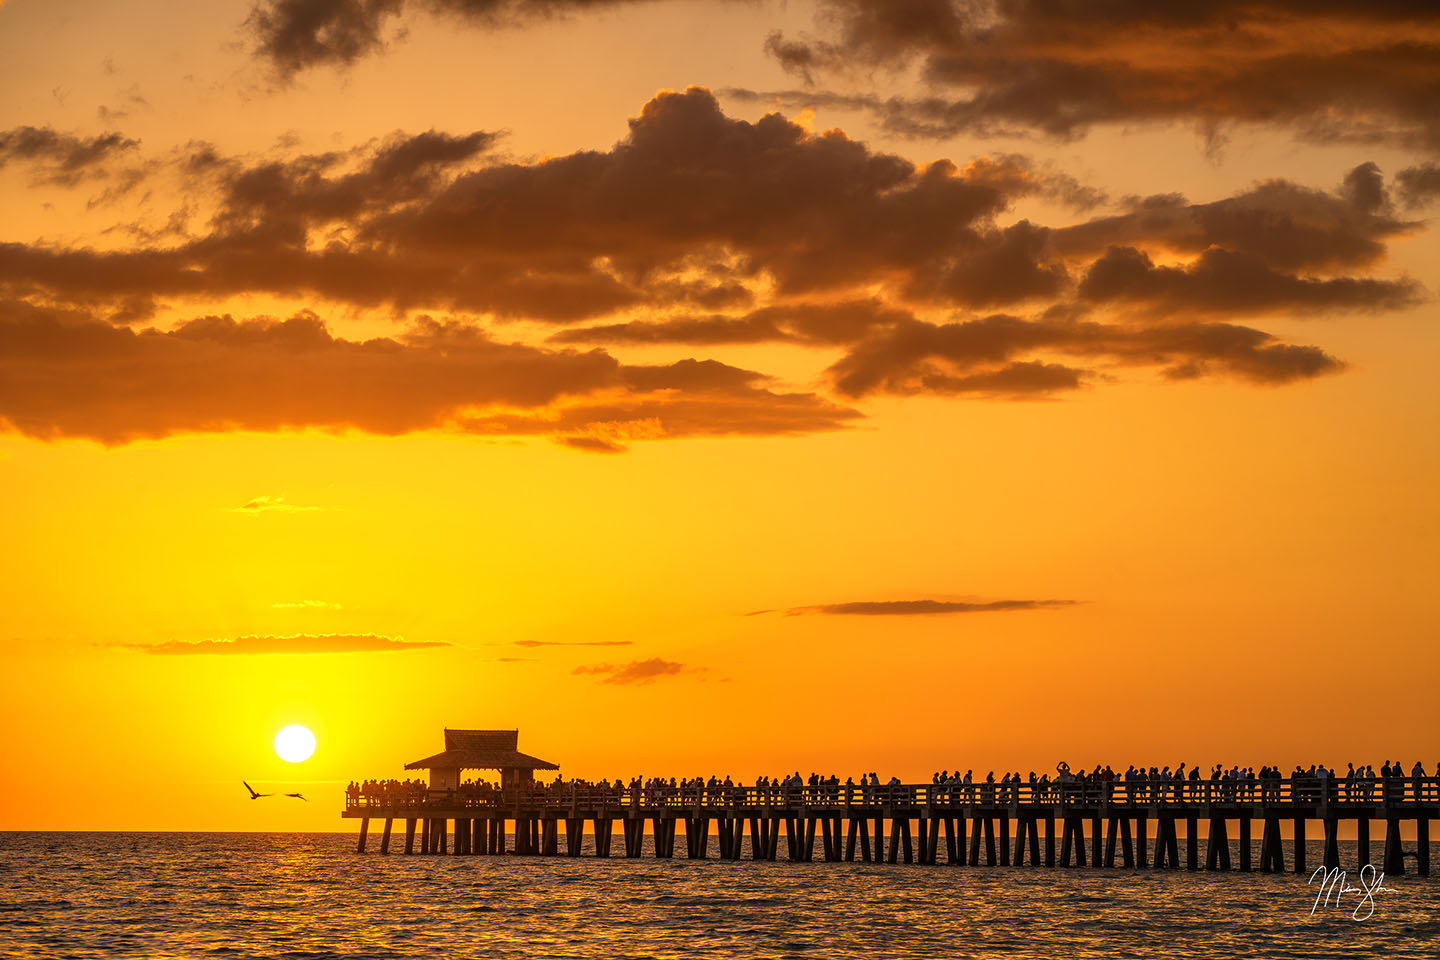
point(481, 750)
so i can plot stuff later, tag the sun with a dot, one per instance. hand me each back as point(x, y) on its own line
point(294, 743)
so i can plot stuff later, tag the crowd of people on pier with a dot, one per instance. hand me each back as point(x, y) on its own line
point(1135, 783)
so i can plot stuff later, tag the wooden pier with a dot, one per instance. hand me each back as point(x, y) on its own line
point(1100, 825)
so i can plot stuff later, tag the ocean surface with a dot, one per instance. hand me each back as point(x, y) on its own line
point(159, 895)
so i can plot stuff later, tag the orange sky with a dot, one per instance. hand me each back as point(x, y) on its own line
point(604, 371)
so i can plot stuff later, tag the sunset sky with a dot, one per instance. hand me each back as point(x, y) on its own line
point(710, 386)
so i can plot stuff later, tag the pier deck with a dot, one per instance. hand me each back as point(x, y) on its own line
point(906, 822)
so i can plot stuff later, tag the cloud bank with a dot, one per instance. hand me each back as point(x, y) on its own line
point(299, 644)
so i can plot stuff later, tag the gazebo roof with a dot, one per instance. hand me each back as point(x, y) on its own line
point(482, 750)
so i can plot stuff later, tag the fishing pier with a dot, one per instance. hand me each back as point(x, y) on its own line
point(1100, 825)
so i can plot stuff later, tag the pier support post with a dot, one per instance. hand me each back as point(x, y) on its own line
point(1332, 843)
point(1362, 841)
point(950, 839)
point(385, 838)
point(1004, 840)
point(1034, 843)
point(1245, 843)
point(1299, 844)
point(1422, 845)
point(550, 844)
point(905, 840)
point(934, 850)
point(807, 851)
point(1272, 851)
point(852, 834)
point(828, 841)
point(1142, 856)
point(1096, 834)
point(498, 847)
point(1192, 843)
point(425, 836)
point(574, 835)
point(1049, 841)
point(1067, 840)
point(409, 835)
point(975, 842)
point(603, 826)
point(989, 842)
point(1111, 835)
point(1127, 849)
point(364, 829)
point(864, 839)
point(1217, 846)
point(1394, 854)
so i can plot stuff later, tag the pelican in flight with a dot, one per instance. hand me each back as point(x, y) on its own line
point(257, 796)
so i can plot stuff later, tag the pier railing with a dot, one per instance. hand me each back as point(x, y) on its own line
point(1297, 790)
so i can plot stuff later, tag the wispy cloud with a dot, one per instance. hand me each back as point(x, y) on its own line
point(272, 505)
point(884, 608)
point(574, 643)
point(298, 644)
point(637, 671)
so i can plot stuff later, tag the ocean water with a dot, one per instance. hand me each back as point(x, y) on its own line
point(159, 895)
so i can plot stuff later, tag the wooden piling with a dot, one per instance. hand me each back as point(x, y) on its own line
point(1422, 845)
point(1299, 844)
point(1192, 843)
point(1111, 836)
point(603, 826)
point(1394, 853)
point(385, 838)
point(1332, 843)
point(1127, 849)
point(1141, 854)
point(1245, 843)
point(1004, 840)
point(1217, 846)
point(409, 835)
point(364, 829)
point(1049, 841)
point(1096, 835)
point(1362, 842)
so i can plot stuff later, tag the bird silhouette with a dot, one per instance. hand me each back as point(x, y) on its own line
point(257, 796)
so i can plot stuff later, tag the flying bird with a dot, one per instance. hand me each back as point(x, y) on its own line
point(257, 796)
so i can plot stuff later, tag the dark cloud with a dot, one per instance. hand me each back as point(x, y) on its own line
point(1328, 70)
point(60, 158)
point(1002, 356)
point(571, 237)
point(299, 644)
point(1420, 184)
point(692, 209)
point(574, 643)
point(924, 607)
point(294, 35)
point(1224, 281)
point(63, 377)
point(635, 672)
point(814, 323)
point(1281, 224)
